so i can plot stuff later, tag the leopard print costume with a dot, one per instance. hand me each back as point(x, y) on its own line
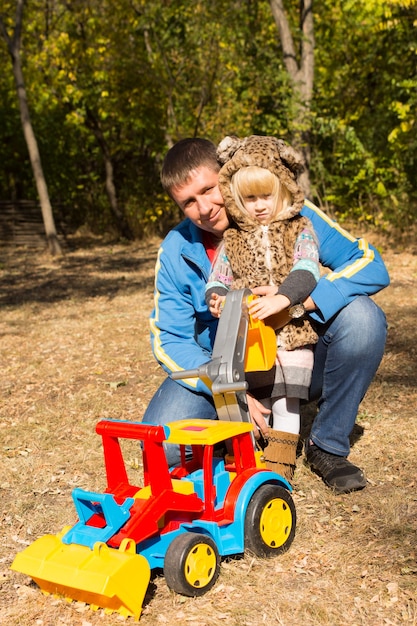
point(246, 240)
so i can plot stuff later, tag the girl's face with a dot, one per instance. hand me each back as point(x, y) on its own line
point(260, 207)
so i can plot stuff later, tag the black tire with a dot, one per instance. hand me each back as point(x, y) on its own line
point(270, 521)
point(192, 564)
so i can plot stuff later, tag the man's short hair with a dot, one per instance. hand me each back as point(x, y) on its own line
point(184, 156)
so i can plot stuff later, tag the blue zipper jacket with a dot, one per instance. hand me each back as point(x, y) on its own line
point(182, 328)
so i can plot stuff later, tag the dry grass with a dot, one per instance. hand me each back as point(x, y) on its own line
point(75, 347)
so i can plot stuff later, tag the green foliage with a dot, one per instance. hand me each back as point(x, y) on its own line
point(364, 126)
point(116, 82)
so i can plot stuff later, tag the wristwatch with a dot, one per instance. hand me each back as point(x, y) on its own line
point(296, 311)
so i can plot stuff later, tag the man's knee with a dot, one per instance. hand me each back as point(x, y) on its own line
point(173, 402)
point(359, 327)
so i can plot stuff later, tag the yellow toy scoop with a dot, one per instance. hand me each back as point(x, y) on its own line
point(113, 579)
point(261, 345)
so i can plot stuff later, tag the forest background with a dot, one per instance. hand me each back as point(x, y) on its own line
point(102, 89)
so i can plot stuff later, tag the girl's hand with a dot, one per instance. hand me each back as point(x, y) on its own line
point(264, 290)
point(216, 304)
point(264, 307)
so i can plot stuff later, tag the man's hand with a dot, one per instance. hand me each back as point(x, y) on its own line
point(258, 414)
point(309, 304)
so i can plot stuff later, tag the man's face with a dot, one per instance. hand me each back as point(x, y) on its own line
point(202, 202)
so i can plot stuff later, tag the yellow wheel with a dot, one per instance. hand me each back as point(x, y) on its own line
point(192, 564)
point(270, 521)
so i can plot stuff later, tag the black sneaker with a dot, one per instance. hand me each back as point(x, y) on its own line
point(336, 471)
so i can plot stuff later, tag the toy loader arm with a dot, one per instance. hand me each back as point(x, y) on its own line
point(241, 344)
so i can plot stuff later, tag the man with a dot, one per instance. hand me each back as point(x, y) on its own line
point(351, 327)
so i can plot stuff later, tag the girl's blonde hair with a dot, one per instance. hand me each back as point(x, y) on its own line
point(258, 181)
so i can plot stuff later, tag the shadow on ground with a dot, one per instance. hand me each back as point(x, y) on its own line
point(83, 272)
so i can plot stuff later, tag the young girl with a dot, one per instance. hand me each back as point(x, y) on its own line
point(269, 243)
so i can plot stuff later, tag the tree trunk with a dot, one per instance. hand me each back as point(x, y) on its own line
point(13, 45)
point(35, 159)
point(94, 125)
point(301, 74)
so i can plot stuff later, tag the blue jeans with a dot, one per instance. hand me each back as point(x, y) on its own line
point(347, 356)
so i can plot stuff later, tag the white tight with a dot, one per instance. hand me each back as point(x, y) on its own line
point(285, 414)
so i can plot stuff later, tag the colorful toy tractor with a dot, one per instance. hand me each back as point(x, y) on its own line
point(219, 500)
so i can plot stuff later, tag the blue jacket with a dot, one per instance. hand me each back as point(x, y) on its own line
point(182, 328)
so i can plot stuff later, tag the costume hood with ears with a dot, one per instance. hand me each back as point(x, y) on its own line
point(259, 254)
point(268, 152)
